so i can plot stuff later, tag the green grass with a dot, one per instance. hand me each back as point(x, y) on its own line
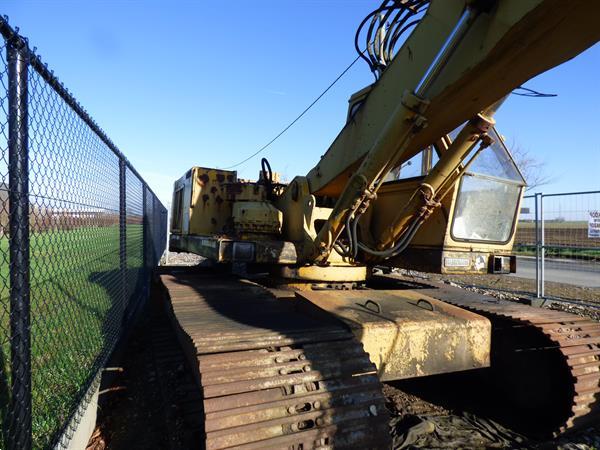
point(551, 252)
point(562, 239)
point(76, 310)
point(572, 224)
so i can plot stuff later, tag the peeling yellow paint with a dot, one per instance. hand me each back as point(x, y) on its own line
point(404, 339)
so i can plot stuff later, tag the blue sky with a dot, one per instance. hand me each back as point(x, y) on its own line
point(183, 83)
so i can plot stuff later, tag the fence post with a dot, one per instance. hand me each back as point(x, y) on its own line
point(153, 236)
point(19, 427)
point(123, 235)
point(165, 229)
point(144, 235)
point(537, 247)
point(542, 248)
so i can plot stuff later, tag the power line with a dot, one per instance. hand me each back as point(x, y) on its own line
point(527, 92)
point(264, 147)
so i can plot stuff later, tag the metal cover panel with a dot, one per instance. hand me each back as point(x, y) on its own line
point(408, 334)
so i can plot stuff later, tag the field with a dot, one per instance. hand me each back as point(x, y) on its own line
point(76, 306)
point(562, 240)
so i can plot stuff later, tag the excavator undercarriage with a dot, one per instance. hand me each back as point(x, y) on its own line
point(276, 372)
point(271, 376)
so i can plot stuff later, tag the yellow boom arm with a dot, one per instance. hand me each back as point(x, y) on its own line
point(462, 57)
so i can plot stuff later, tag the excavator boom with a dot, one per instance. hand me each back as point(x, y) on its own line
point(478, 53)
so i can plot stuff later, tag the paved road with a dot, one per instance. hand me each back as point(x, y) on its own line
point(562, 271)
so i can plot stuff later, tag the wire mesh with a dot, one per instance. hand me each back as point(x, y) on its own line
point(159, 230)
point(150, 229)
point(525, 238)
point(571, 243)
point(73, 265)
point(525, 245)
point(134, 238)
point(76, 300)
point(565, 230)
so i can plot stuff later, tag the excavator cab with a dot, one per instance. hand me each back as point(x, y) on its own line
point(473, 229)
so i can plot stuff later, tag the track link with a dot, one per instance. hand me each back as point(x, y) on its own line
point(571, 340)
point(578, 341)
point(544, 362)
point(270, 376)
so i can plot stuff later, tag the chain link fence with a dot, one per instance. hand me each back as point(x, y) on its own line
point(558, 241)
point(80, 232)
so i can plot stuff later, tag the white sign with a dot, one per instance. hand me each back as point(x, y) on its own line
point(594, 225)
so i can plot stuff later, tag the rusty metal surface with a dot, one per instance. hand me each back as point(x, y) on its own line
point(245, 191)
point(408, 334)
point(256, 217)
point(209, 212)
point(566, 348)
point(221, 249)
point(272, 377)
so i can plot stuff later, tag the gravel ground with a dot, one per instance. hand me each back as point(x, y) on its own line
point(520, 286)
point(180, 259)
point(143, 406)
point(418, 423)
point(435, 429)
point(518, 289)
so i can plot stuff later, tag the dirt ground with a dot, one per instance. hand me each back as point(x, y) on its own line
point(153, 403)
point(148, 403)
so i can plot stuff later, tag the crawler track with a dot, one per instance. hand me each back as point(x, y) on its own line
point(272, 377)
point(547, 361)
point(575, 343)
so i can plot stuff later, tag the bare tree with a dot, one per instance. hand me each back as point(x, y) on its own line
point(533, 169)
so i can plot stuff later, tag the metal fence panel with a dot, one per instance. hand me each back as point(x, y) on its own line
point(525, 239)
point(135, 240)
point(561, 233)
point(150, 230)
point(526, 244)
point(76, 296)
point(568, 244)
point(79, 233)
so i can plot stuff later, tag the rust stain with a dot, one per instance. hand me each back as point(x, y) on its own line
point(203, 179)
point(235, 188)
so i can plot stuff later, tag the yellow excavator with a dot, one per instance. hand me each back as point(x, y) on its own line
point(291, 333)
